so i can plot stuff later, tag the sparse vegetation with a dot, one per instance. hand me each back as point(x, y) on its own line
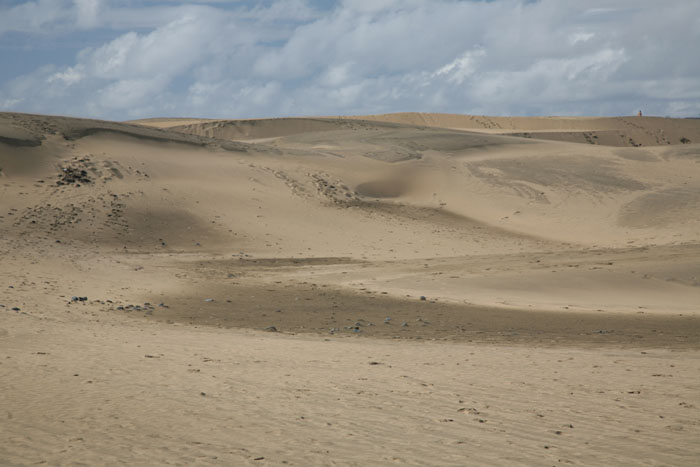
point(685, 140)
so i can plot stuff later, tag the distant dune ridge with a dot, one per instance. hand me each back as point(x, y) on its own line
point(260, 290)
point(606, 131)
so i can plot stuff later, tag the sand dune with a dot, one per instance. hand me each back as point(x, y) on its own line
point(606, 131)
point(436, 290)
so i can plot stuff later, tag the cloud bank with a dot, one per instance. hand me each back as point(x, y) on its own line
point(131, 59)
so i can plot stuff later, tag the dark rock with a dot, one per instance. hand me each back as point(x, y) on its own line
point(73, 175)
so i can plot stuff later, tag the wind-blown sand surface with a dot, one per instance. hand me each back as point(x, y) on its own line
point(416, 289)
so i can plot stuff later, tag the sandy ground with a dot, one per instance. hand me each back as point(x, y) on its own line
point(415, 289)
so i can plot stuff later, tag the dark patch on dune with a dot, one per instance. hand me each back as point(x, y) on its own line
point(692, 153)
point(33, 129)
point(664, 208)
point(308, 308)
point(247, 262)
point(638, 155)
point(446, 140)
point(162, 227)
point(255, 129)
point(571, 173)
point(154, 135)
point(18, 142)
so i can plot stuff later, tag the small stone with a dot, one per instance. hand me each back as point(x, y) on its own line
point(14, 308)
point(271, 329)
point(387, 319)
point(422, 298)
point(208, 299)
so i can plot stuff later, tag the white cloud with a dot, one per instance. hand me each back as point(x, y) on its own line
point(336, 75)
point(363, 56)
point(169, 50)
point(550, 80)
point(130, 93)
point(70, 76)
point(36, 16)
point(577, 37)
point(460, 68)
point(87, 13)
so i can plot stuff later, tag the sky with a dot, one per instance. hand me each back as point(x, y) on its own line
point(129, 59)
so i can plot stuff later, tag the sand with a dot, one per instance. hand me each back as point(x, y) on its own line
point(416, 289)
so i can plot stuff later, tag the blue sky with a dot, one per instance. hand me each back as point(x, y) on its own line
point(216, 58)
